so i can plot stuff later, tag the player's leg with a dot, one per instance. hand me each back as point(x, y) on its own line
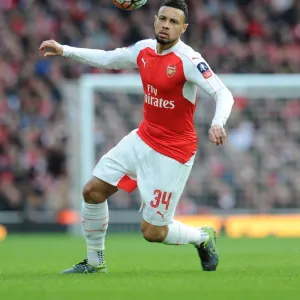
point(177, 233)
point(95, 218)
point(161, 183)
point(113, 171)
point(94, 221)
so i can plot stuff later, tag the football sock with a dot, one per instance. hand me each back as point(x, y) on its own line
point(180, 234)
point(95, 258)
point(94, 224)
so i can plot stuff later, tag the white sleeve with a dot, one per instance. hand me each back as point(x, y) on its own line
point(198, 71)
point(120, 58)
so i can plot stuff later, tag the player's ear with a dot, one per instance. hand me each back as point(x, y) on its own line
point(184, 28)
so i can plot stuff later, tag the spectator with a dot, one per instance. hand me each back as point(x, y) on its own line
point(235, 36)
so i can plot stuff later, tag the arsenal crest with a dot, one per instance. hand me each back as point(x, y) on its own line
point(171, 70)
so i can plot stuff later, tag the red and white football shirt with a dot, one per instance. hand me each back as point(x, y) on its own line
point(170, 83)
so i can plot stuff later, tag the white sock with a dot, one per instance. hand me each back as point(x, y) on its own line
point(180, 234)
point(94, 221)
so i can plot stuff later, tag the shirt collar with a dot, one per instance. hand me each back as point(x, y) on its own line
point(169, 50)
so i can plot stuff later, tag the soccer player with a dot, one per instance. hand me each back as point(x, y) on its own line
point(158, 156)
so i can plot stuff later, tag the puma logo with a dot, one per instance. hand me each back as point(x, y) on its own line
point(159, 213)
point(144, 62)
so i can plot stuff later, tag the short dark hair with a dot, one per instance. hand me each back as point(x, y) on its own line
point(179, 4)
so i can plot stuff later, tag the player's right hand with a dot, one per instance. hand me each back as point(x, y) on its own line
point(52, 48)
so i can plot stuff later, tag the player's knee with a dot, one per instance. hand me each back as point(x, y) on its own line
point(154, 234)
point(87, 193)
point(92, 194)
point(97, 191)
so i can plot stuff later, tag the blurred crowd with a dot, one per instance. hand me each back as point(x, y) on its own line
point(256, 169)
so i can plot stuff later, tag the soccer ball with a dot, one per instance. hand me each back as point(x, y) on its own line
point(129, 4)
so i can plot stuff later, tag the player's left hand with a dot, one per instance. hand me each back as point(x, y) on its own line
point(217, 134)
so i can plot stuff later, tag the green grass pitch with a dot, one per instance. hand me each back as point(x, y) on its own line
point(249, 269)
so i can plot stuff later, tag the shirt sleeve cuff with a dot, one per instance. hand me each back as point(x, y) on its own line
point(217, 122)
point(67, 50)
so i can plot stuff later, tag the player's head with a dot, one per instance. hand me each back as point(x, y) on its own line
point(171, 21)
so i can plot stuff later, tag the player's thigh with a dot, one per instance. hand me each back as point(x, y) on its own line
point(161, 181)
point(117, 167)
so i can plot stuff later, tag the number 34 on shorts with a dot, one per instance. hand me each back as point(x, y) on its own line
point(157, 211)
point(161, 198)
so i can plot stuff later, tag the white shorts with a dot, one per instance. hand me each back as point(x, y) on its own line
point(160, 179)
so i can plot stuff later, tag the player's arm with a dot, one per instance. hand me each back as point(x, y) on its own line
point(201, 74)
point(120, 58)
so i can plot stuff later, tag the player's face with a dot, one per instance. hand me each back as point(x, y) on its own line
point(169, 25)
